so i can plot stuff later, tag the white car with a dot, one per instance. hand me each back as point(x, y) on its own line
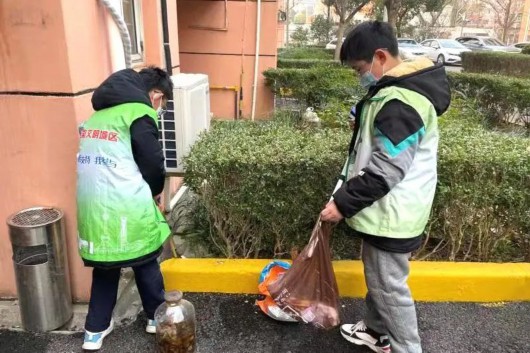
point(410, 49)
point(486, 44)
point(332, 44)
point(444, 51)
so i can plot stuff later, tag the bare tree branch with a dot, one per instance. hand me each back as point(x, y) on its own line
point(506, 12)
point(345, 9)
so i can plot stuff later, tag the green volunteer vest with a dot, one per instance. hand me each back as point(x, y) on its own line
point(117, 217)
point(404, 211)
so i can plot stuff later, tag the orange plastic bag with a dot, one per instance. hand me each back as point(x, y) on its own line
point(271, 273)
point(308, 291)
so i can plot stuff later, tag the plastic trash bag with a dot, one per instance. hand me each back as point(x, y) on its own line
point(308, 291)
point(271, 273)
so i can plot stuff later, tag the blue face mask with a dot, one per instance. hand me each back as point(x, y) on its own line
point(368, 79)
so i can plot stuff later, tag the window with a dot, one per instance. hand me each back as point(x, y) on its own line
point(407, 43)
point(472, 41)
point(451, 44)
point(493, 42)
point(132, 14)
point(131, 11)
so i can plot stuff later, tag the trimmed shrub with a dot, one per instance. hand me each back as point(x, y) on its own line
point(496, 63)
point(262, 186)
point(314, 86)
point(305, 53)
point(306, 63)
point(481, 210)
point(335, 112)
point(500, 98)
point(526, 50)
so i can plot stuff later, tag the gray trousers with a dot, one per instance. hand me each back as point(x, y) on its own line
point(390, 305)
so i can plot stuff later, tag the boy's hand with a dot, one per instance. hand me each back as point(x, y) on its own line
point(331, 213)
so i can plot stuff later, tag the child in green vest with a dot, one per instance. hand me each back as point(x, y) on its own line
point(389, 179)
point(120, 174)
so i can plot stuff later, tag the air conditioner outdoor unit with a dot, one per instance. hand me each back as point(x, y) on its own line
point(187, 116)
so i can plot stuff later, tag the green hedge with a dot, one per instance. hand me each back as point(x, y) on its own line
point(501, 99)
point(305, 53)
point(481, 210)
point(266, 182)
point(313, 86)
point(497, 63)
point(305, 63)
point(526, 50)
point(263, 185)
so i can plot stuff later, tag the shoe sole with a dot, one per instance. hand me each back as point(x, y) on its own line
point(97, 346)
point(359, 342)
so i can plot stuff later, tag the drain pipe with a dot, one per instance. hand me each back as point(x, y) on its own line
point(124, 32)
point(256, 61)
point(165, 34)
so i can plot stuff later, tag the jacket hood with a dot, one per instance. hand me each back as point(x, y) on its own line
point(420, 76)
point(125, 86)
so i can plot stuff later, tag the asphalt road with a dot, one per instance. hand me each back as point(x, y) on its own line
point(232, 324)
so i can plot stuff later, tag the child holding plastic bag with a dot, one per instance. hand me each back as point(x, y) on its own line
point(390, 179)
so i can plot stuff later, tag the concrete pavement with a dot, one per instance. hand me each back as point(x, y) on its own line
point(449, 68)
point(233, 324)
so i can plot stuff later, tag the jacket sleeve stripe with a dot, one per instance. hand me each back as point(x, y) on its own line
point(395, 150)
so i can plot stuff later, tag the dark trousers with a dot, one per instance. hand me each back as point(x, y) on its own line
point(105, 291)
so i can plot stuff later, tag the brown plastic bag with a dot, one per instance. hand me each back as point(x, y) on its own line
point(308, 290)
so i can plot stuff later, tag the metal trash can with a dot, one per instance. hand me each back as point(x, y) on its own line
point(41, 268)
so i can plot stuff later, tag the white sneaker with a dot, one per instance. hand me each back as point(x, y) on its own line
point(151, 326)
point(94, 340)
point(360, 335)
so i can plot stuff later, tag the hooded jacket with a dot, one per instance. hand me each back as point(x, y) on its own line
point(391, 171)
point(120, 169)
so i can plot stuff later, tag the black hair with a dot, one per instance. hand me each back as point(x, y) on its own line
point(156, 78)
point(362, 42)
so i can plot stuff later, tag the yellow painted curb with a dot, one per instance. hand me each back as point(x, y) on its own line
point(429, 281)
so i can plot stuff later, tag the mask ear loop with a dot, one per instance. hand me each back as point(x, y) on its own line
point(158, 95)
point(373, 58)
point(155, 96)
point(372, 64)
point(383, 68)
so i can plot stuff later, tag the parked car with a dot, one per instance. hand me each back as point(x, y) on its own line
point(332, 44)
point(522, 45)
point(444, 51)
point(478, 43)
point(410, 49)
